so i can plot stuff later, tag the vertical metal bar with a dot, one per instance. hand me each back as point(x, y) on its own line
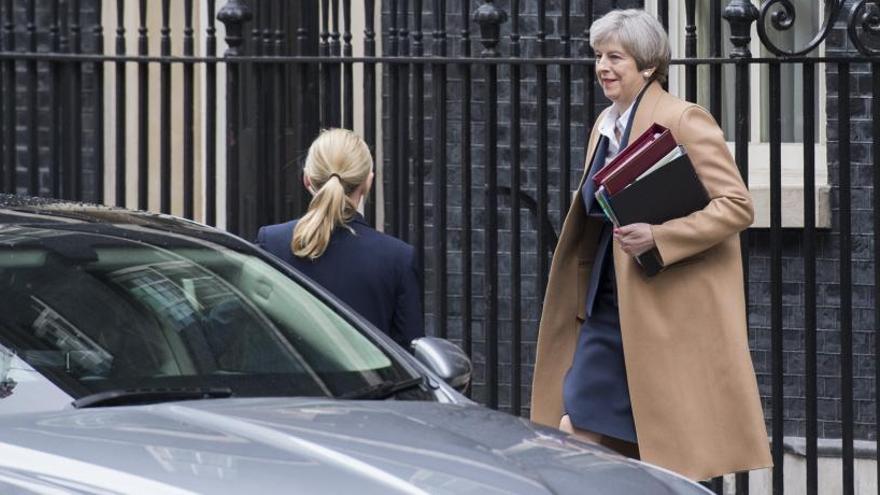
point(211, 119)
point(348, 98)
point(465, 160)
point(2, 91)
point(565, 115)
point(438, 146)
point(188, 114)
point(663, 13)
point(370, 97)
point(541, 193)
point(515, 163)
point(690, 49)
point(280, 106)
point(392, 213)
point(590, 70)
point(11, 157)
point(165, 103)
point(809, 248)
point(335, 69)
point(776, 341)
point(32, 109)
point(403, 127)
point(845, 219)
point(742, 103)
point(875, 153)
point(143, 111)
point(98, 31)
point(121, 97)
point(233, 14)
point(304, 70)
point(55, 70)
point(261, 108)
point(715, 69)
point(324, 46)
point(76, 120)
point(418, 75)
point(491, 234)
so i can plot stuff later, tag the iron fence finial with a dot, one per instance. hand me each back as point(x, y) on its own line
point(490, 18)
point(234, 15)
point(740, 14)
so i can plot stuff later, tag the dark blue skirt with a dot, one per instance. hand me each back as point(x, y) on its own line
point(595, 391)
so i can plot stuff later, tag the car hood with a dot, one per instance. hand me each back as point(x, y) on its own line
point(309, 446)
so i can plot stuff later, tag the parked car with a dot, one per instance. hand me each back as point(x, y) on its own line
point(143, 353)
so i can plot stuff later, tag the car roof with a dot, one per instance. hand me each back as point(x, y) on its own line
point(29, 210)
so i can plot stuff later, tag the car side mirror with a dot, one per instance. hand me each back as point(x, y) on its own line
point(445, 359)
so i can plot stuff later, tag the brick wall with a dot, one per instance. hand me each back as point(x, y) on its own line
point(47, 100)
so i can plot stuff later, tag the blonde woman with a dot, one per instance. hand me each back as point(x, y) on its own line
point(373, 273)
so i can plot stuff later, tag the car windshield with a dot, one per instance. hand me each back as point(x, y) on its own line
point(92, 312)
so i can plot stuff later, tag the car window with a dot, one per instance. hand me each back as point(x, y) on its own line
point(93, 313)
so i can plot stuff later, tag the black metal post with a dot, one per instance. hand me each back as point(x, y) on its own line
point(75, 127)
point(418, 76)
point(565, 115)
point(211, 119)
point(165, 110)
point(233, 15)
point(98, 32)
point(690, 49)
point(348, 75)
point(188, 114)
point(776, 343)
point(335, 69)
point(740, 14)
point(438, 146)
point(465, 161)
point(489, 17)
point(809, 250)
point(121, 97)
point(280, 104)
point(370, 98)
point(515, 182)
point(143, 112)
point(402, 121)
point(846, 307)
point(32, 108)
point(394, 158)
point(57, 98)
point(542, 151)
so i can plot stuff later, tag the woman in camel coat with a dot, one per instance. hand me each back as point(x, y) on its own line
point(655, 367)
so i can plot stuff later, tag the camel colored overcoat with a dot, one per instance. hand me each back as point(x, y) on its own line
point(692, 386)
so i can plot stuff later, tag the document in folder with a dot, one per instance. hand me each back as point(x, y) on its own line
point(665, 187)
point(649, 148)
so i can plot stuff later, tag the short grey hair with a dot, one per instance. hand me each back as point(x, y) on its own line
point(640, 34)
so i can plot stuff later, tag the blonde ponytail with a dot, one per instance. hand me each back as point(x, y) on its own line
point(338, 163)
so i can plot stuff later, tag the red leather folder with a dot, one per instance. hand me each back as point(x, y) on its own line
point(635, 159)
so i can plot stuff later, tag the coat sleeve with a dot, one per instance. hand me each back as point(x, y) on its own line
point(261, 238)
point(406, 324)
point(730, 205)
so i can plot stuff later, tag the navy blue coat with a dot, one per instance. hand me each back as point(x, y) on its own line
point(375, 274)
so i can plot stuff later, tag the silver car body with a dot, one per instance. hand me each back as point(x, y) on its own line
point(266, 445)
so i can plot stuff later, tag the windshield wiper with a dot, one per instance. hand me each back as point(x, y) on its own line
point(127, 397)
point(382, 390)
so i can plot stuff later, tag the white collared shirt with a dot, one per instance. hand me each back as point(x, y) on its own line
point(612, 120)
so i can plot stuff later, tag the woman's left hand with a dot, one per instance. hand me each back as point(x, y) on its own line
point(635, 238)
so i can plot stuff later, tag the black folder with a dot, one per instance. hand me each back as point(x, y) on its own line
point(673, 190)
